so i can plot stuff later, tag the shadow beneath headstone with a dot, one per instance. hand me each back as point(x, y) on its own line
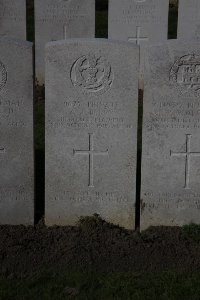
point(139, 160)
point(101, 28)
point(30, 20)
point(173, 21)
point(39, 153)
point(39, 186)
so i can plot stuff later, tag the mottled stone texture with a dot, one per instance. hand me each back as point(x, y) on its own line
point(171, 136)
point(139, 22)
point(189, 19)
point(13, 18)
point(91, 131)
point(58, 20)
point(147, 18)
point(16, 133)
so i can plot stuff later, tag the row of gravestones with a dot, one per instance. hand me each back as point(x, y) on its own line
point(91, 120)
point(138, 21)
point(91, 132)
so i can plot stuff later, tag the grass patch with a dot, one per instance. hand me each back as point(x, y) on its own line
point(76, 285)
point(192, 231)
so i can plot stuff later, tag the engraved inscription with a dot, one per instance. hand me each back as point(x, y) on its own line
point(3, 76)
point(138, 38)
point(174, 114)
point(92, 74)
point(92, 195)
point(186, 72)
point(165, 199)
point(187, 155)
point(138, 12)
point(11, 11)
point(91, 153)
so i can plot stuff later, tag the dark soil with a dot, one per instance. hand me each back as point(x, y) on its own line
point(95, 246)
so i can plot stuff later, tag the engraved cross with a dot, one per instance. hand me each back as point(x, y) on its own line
point(187, 155)
point(91, 153)
point(138, 38)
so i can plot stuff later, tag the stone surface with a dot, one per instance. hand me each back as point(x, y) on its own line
point(189, 19)
point(171, 136)
point(13, 18)
point(91, 131)
point(58, 20)
point(139, 22)
point(16, 133)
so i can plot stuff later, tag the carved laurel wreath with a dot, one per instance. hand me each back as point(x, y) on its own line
point(99, 73)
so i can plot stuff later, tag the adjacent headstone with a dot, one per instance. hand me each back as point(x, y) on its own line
point(139, 22)
point(189, 19)
point(91, 131)
point(59, 20)
point(171, 136)
point(13, 19)
point(16, 133)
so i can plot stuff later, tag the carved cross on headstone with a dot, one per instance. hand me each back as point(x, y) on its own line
point(187, 155)
point(138, 38)
point(91, 153)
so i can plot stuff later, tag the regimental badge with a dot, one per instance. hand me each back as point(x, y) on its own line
point(186, 73)
point(92, 74)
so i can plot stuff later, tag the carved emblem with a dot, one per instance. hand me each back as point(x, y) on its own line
point(92, 74)
point(3, 76)
point(186, 73)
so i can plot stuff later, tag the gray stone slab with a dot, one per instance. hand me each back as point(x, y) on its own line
point(91, 131)
point(13, 18)
point(138, 21)
point(57, 20)
point(171, 136)
point(16, 133)
point(189, 19)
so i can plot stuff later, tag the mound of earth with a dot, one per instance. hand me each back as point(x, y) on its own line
point(95, 245)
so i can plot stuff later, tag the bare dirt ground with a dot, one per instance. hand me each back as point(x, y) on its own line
point(95, 245)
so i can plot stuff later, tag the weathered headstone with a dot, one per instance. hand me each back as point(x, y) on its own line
point(171, 136)
point(189, 19)
point(61, 19)
point(13, 18)
point(16, 133)
point(91, 131)
point(139, 22)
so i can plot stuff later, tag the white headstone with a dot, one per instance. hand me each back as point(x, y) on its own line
point(91, 131)
point(189, 19)
point(13, 18)
point(59, 20)
point(139, 22)
point(171, 136)
point(16, 133)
